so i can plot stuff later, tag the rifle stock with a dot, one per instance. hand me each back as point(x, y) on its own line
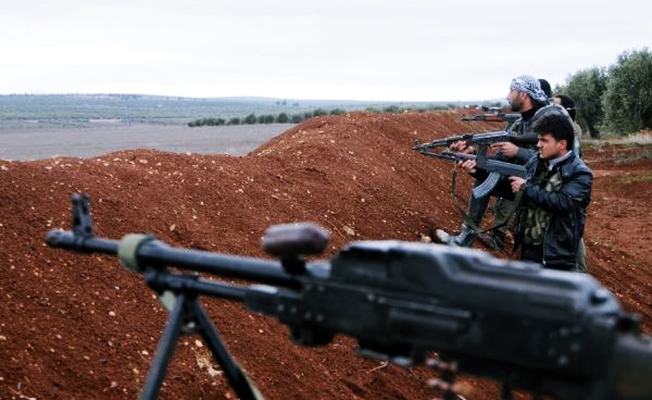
point(546, 332)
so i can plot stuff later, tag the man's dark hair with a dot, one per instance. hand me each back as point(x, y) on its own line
point(554, 120)
point(568, 103)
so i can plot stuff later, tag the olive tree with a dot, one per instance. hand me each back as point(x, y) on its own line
point(628, 99)
point(587, 87)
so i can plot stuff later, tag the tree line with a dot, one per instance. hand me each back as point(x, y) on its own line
point(617, 98)
point(285, 118)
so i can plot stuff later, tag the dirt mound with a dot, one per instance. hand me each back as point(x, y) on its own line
point(82, 326)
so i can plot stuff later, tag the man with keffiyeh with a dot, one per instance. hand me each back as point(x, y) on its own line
point(525, 97)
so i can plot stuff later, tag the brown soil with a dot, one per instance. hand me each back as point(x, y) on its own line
point(78, 327)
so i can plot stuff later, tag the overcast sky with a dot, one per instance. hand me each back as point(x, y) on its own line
point(408, 50)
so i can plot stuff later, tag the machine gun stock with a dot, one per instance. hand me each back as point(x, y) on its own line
point(546, 332)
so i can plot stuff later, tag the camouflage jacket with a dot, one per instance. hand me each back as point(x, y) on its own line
point(553, 209)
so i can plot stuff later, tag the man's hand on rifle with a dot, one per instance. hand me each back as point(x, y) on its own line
point(516, 183)
point(507, 148)
point(462, 147)
point(469, 166)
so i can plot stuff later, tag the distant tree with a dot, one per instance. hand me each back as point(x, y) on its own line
point(392, 109)
point(338, 111)
point(318, 112)
point(207, 122)
point(586, 87)
point(234, 121)
point(250, 119)
point(283, 118)
point(267, 119)
point(628, 99)
point(297, 118)
point(307, 115)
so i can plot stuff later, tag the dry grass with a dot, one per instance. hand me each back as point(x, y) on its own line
point(642, 137)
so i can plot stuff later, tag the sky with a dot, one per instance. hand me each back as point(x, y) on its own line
point(408, 50)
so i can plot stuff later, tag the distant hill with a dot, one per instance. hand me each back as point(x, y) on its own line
point(72, 110)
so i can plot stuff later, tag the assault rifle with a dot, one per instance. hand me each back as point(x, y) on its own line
point(510, 118)
point(550, 333)
point(487, 163)
point(478, 139)
point(482, 141)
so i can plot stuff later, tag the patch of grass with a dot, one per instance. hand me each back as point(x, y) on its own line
point(630, 179)
point(624, 149)
point(628, 158)
point(635, 139)
point(643, 137)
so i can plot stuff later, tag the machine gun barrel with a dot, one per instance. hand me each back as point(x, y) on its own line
point(154, 253)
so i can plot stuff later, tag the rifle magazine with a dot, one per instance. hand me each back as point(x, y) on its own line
point(483, 189)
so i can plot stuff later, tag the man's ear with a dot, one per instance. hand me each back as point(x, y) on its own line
point(563, 144)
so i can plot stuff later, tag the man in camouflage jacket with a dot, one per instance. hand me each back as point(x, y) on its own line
point(555, 194)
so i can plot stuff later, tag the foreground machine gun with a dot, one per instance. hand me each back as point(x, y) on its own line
point(547, 332)
point(510, 118)
point(481, 141)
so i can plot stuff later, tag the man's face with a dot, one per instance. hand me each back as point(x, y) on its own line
point(549, 148)
point(557, 101)
point(515, 100)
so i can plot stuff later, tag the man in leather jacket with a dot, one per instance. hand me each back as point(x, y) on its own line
point(554, 194)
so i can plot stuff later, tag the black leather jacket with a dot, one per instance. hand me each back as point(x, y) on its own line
point(566, 210)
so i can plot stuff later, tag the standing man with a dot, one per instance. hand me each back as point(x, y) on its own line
point(569, 105)
point(503, 208)
point(525, 97)
point(555, 194)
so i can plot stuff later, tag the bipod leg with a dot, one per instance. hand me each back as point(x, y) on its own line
point(505, 392)
point(165, 349)
point(234, 374)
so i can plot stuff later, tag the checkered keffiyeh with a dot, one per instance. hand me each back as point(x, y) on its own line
point(530, 85)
